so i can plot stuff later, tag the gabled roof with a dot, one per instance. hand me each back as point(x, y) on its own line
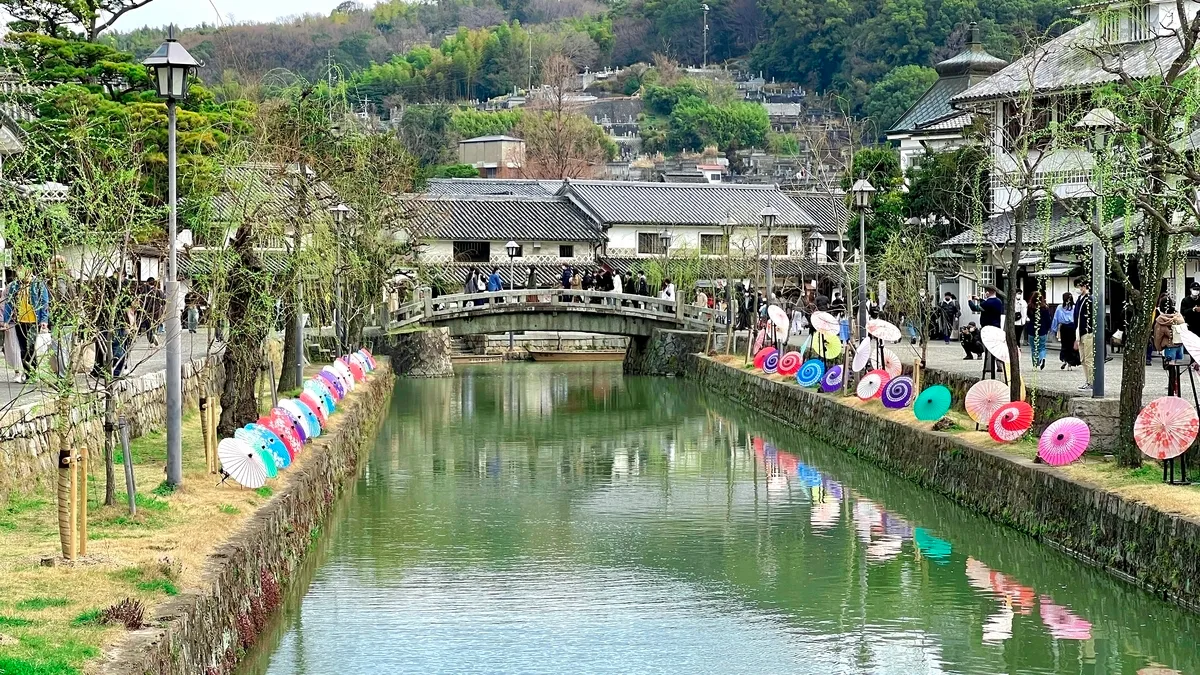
point(491, 139)
point(828, 210)
point(1075, 60)
point(667, 204)
point(267, 191)
point(955, 75)
point(492, 186)
point(498, 218)
point(1000, 230)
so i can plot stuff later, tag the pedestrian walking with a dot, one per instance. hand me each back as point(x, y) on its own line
point(27, 311)
point(1063, 328)
point(1021, 308)
point(1085, 339)
point(1037, 327)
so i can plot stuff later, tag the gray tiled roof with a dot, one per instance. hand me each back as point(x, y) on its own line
point(492, 186)
point(1000, 230)
point(934, 104)
point(499, 218)
point(955, 75)
point(828, 210)
point(949, 123)
point(715, 268)
point(1073, 60)
point(622, 202)
point(1120, 231)
point(264, 191)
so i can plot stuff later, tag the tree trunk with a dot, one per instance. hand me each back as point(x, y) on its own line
point(110, 425)
point(287, 372)
point(1133, 382)
point(1010, 307)
point(249, 316)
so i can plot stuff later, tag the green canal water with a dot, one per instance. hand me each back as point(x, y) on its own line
point(567, 519)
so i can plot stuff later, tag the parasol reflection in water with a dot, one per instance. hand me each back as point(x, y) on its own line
point(562, 518)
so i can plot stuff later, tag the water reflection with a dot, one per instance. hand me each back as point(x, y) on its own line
point(566, 519)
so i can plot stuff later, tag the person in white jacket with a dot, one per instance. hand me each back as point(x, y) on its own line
point(668, 291)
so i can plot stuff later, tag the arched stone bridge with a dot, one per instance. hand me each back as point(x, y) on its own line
point(550, 310)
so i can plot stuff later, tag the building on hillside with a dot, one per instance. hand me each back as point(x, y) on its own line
point(485, 186)
point(455, 232)
point(932, 124)
point(493, 156)
point(638, 217)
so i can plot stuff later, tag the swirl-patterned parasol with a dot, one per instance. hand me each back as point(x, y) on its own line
point(833, 379)
point(771, 362)
point(897, 392)
point(760, 355)
point(1010, 421)
point(789, 363)
point(810, 373)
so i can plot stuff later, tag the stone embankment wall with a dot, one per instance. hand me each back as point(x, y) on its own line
point(418, 353)
point(27, 456)
point(1156, 550)
point(204, 631)
point(665, 352)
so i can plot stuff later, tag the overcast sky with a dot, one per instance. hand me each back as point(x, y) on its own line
point(192, 12)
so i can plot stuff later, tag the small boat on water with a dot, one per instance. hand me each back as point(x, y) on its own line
point(476, 358)
point(577, 355)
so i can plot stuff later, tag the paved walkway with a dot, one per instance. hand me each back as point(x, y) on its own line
point(950, 358)
point(144, 358)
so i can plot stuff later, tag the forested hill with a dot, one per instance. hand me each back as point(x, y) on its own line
point(420, 51)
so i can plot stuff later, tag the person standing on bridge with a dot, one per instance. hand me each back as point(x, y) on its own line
point(469, 284)
point(495, 283)
point(531, 283)
point(641, 288)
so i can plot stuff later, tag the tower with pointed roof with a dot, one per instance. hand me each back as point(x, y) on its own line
point(931, 123)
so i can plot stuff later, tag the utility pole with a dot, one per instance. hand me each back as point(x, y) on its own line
point(705, 57)
point(529, 39)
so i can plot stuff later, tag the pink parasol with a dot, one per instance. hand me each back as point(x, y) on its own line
point(984, 398)
point(1062, 622)
point(825, 322)
point(758, 341)
point(1010, 421)
point(778, 317)
point(1064, 441)
point(883, 330)
point(1166, 427)
point(862, 354)
point(891, 362)
point(872, 384)
point(281, 425)
point(789, 363)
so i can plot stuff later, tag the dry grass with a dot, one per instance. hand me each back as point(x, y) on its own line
point(1142, 485)
point(148, 557)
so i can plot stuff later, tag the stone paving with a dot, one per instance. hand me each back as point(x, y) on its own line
point(145, 358)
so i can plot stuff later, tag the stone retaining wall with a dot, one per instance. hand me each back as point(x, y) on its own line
point(665, 352)
point(206, 630)
point(27, 461)
point(419, 353)
point(1156, 550)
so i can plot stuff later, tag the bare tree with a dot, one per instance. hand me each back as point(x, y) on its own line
point(560, 143)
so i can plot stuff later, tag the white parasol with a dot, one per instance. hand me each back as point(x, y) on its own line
point(778, 316)
point(883, 330)
point(242, 463)
point(891, 362)
point(826, 323)
point(863, 354)
point(995, 342)
point(1191, 342)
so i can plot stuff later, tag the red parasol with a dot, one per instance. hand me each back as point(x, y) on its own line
point(1166, 427)
point(1010, 421)
point(789, 364)
point(761, 356)
point(281, 426)
point(871, 384)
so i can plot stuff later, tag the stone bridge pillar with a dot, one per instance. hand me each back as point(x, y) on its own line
point(419, 353)
point(665, 352)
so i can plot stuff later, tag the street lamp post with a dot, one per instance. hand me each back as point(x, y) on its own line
point(511, 249)
point(863, 192)
point(727, 227)
point(172, 64)
point(768, 215)
point(1100, 121)
point(705, 58)
point(339, 213)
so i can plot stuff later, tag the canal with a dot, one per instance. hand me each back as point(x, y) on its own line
point(562, 518)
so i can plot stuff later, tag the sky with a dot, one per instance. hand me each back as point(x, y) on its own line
point(192, 12)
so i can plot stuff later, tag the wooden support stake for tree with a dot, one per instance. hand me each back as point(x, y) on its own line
point(73, 513)
point(203, 403)
point(65, 504)
point(83, 502)
point(212, 434)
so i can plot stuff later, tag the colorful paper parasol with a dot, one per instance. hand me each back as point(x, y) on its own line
point(299, 427)
point(833, 379)
point(984, 398)
point(995, 342)
point(275, 445)
point(318, 389)
point(331, 377)
point(356, 369)
point(771, 362)
point(282, 426)
point(778, 316)
point(310, 415)
point(810, 373)
point(242, 463)
point(1064, 441)
point(827, 346)
point(361, 361)
point(1062, 622)
point(897, 392)
point(891, 362)
point(259, 445)
point(862, 354)
point(347, 377)
point(293, 408)
point(1166, 427)
point(369, 356)
point(937, 550)
point(760, 355)
point(871, 384)
point(789, 363)
point(316, 403)
point(758, 341)
point(883, 330)
point(1010, 421)
point(825, 322)
point(933, 404)
point(1191, 342)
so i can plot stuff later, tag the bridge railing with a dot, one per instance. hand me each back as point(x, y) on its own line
point(543, 299)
